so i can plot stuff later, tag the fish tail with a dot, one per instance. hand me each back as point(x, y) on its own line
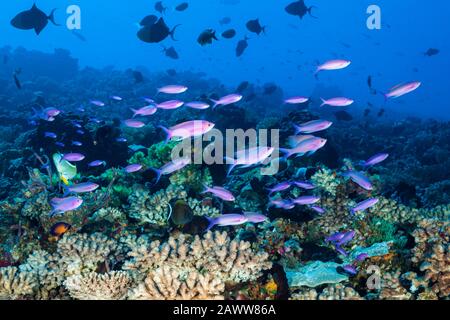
point(158, 174)
point(134, 112)
point(287, 153)
point(172, 33)
point(66, 190)
point(211, 223)
point(297, 129)
point(324, 102)
point(51, 17)
point(216, 103)
point(310, 11)
point(168, 132)
point(232, 165)
point(206, 188)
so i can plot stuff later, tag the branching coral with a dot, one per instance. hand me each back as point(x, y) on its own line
point(94, 286)
point(15, 284)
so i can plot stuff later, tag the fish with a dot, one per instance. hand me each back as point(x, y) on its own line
point(121, 139)
point(350, 269)
point(138, 77)
point(157, 32)
point(73, 157)
point(65, 169)
point(242, 45)
point(160, 7)
point(402, 89)
point(337, 102)
point(282, 204)
point(364, 205)
point(333, 65)
point(255, 26)
point(170, 105)
point(306, 147)
point(432, 52)
point(318, 209)
point(343, 116)
point(366, 112)
point(296, 100)
point(226, 220)
point(132, 168)
point(381, 112)
point(17, 81)
point(229, 34)
point(135, 147)
point(225, 20)
point(182, 6)
point(97, 103)
point(249, 157)
point(60, 144)
point(134, 123)
point(306, 200)
point(59, 229)
point(304, 185)
point(227, 100)
point(62, 205)
point(193, 128)
point(116, 98)
point(148, 20)
point(282, 186)
point(33, 19)
point(97, 163)
point(335, 237)
point(374, 160)
point(77, 143)
point(173, 89)
point(199, 105)
point(346, 237)
point(80, 188)
point(369, 83)
point(171, 53)
point(80, 132)
point(51, 135)
point(207, 37)
point(341, 251)
point(255, 217)
point(361, 257)
point(360, 179)
point(144, 111)
point(170, 167)
point(181, 213)
point(299, 8)
point(313, 126)
point(220, 193)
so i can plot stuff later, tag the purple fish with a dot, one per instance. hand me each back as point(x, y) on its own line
point(134, 123)
point(402, 89)
point(60, 144)
point(350, 269)
point(51, 135)
point(81, 188)
point(144, 111)
point(62, 205)
point(279, 187)
point(347, 237)
point(313, 126)
point(333, 65)
point(171, 167)
point(73, 157)
point(305, 200)
point(121, 139)
point(318, 209)
point(77, 143)
point(255, 217)
point(363, 205)
point(184, 130)
point(97, 163)
point(227, 100)
point(304, 185)
point(97, 103)
point(359, 178)
point(361, 257)
point(198, 105)
point(337, 102)
point(170, 105)
point(282, 204)
point(220, 193)
point(227, 220)
point(133, 168)
point(341, 251)
point(173, 89)
point(116, 98)
point(307, 147)
point(376, 159)
point(296, 100)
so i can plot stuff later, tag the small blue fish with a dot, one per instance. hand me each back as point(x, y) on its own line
point(51, 135)
point(77, 143)
point(121, 139)
point(80, 132)
point(60, 144)
point(97, 163)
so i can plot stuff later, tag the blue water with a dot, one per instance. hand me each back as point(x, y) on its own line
point(390, 55)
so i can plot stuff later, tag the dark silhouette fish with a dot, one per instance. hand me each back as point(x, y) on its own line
point(225, 20)
point(241, 47)
point(182, 6)
point(33, 19)
point(255, 27)
point(138, 77)
point(299, 9)
point(181, 213)
point(366, 112)
point(431, 52)
point(381, 112)
point(270, 89)
point(229, 34)
point(160, 7)
point(16, 80)
point(207, 37)
point(369, 83)
point(148, 20)
point(156, 32)
point(79, 36)
point(242, 86)
point(171, 53)
point(343, 116)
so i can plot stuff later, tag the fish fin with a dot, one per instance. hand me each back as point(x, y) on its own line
point(297, 129)
point(172, 33)
point(324, 102)
point(51, 17)
point(287, 153)
point(168, 132)
point(170, 212)
point(211, 224)
point(206, 188)
point(66, 190)
point(232, 165)
point(216, 103)
point(134, 112)
point(158, 175)
point(310, 153)
point(310, 11)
